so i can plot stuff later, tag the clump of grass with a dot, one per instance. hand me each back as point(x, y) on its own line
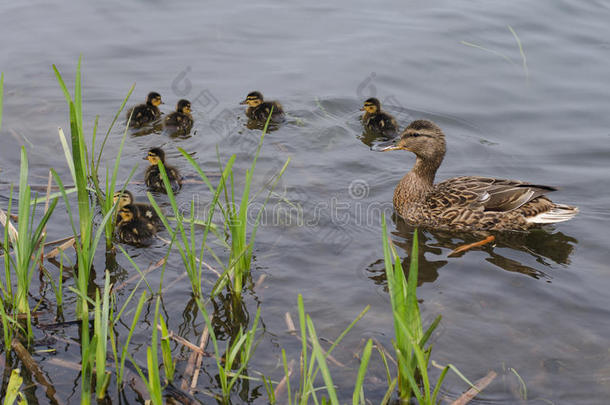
point(86, 240)
point(315, 361)
point(236, 218)
point(412, 354)
point(192, 258)
point(27, 245)
point(237, 354)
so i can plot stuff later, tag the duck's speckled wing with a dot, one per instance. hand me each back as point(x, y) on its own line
point(142, 114)
point(486, 194)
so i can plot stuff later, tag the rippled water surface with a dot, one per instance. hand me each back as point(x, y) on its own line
point(534, 305)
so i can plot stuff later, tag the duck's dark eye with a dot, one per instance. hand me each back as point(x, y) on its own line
point(415, 134)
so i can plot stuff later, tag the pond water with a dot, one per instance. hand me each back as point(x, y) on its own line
point(533, 306)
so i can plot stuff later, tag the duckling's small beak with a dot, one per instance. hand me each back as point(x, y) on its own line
point(386, 146)
point(362, 109)
point(244, 102)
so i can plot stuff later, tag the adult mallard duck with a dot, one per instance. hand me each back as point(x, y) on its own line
point(133, 229)
point(465, 203)
point(376, 120)
point(145, 210)
point(180, 120)
point(259, 109)
point(145, 113)
point(153, 179)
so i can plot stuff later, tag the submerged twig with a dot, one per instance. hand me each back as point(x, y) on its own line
point(203, 342)
point(290, 324)
point(474, 391)
point(260, 281)
point(33, 368)
point(279, 389)
point(184, 342)
point(53, 253)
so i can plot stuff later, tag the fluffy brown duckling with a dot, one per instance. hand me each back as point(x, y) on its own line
point(146, 210)
point(145, 113)
point(467, 203)
point(133, 229)
point(376, 120)
point(180, 120)
point(153, 179)
point(259, 109)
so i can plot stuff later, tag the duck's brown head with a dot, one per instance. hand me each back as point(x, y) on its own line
point(155, 155)
point(154, 98)
point(371, 106)
point(124, 197)
point(184, 106)
point(127, 213)
point(422, 137)
point(253, 99)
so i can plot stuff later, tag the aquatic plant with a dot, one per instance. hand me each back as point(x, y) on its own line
point(236, 218)
point(27, 241)
point(192, 258)
point(314, 362)
point(412, 354)
point(12, 390)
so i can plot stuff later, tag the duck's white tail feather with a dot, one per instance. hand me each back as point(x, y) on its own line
point(558, 213)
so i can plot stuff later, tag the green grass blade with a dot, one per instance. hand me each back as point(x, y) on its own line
point(321, 359)
point(62, 84)
point(12, 389)
point(358, 396)
point(116, 117)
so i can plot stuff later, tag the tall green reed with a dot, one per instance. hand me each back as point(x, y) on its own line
point(231, 364)
point(412, 354)
point(186, 229)
point(314, 361)
point(236, 219)
point(27, 245)
point(87, 240)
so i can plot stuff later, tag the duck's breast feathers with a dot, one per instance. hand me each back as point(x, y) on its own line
point(261, 113)
point(381, 122)
point(489, 194)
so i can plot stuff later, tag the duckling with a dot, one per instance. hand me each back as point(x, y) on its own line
point(133, 229)
point(146, 211)
point(467, 203)
point(180, 120)
point(376, 120)
point(259, 110)
point(145, 113)
point(153, 178)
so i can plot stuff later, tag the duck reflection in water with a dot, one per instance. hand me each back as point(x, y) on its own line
point(545, 245)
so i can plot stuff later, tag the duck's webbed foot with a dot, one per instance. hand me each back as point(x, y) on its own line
point(463, 248)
